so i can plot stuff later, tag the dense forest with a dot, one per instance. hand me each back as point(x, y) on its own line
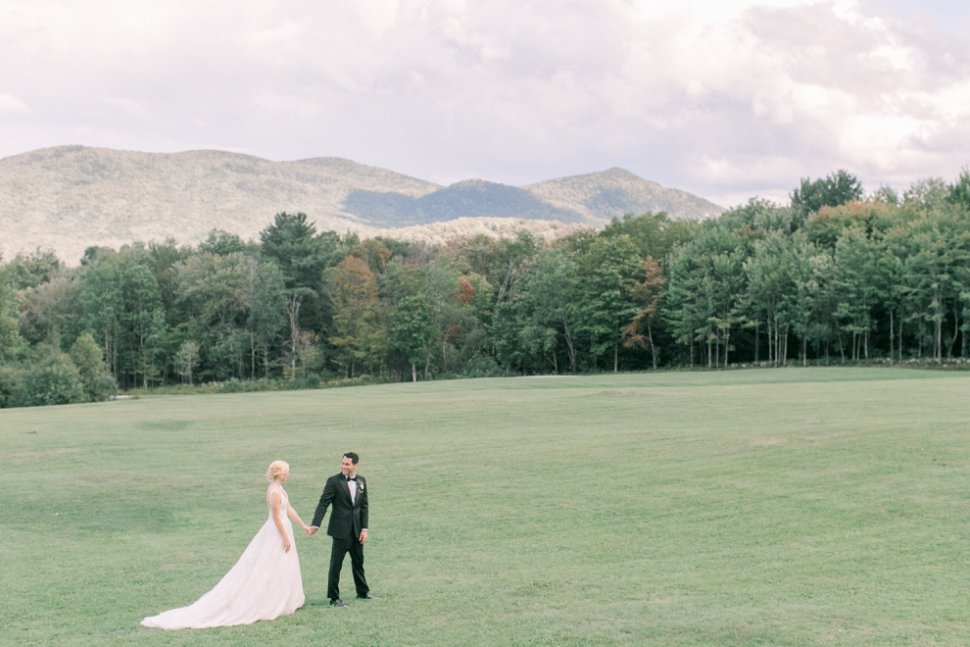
point(837, 276)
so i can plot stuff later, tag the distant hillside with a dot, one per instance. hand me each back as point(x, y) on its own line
point(69, 198)
point(472, 198)
point(617, 192)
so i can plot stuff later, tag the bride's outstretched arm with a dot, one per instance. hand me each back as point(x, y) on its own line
point(295, 517)
point(275, 502)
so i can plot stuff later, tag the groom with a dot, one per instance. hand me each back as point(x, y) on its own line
point(347, 493)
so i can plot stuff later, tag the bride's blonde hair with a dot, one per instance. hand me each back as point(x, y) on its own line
point(277, 468)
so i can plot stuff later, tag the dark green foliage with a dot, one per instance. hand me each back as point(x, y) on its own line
point(482, 366)
point(293, 244)
point(960, 192)
point(833, 278)
point(412, 330)
point(302, 255)
point(609, 270)
point(12, 345)
point(223, 243)
point(833, 190)
point(536, 328)
point(10, 385)
point(653, 234)
point(31, 270)
point(95, 378)
point(50, 377)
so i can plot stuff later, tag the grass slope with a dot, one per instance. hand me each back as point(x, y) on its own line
point(772, 507)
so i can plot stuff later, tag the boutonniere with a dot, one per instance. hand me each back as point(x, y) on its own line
point(360, 486)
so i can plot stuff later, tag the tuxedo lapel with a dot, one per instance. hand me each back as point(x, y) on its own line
point(353, 500)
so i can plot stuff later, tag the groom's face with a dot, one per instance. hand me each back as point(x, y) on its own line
point(347, 467)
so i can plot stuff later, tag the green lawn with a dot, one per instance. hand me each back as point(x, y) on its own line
point(760, 507)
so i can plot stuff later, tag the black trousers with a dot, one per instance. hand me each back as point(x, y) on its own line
point(339, 549)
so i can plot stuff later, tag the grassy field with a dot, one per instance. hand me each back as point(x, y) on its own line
point(764, 507)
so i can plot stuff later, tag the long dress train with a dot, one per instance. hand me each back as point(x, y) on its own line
point(264, 584)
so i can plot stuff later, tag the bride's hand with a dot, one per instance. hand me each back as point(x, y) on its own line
point(286, 544)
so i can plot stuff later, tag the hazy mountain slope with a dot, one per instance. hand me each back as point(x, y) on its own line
point(71, 197)
point(616, 192)
point(471, 198)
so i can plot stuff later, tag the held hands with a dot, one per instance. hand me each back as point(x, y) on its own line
point(310, 531)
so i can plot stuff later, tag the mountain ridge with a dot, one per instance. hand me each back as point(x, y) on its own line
point(67, 198)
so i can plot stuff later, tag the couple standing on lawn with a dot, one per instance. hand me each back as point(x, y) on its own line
point(266, 581)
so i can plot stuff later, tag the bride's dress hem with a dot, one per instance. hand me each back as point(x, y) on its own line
point(265, 583)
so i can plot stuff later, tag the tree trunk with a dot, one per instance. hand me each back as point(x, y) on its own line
point(898, 335)
point(938, 346)
point(920, 335)
point(293, 312)
point(570, 347)
point(757, 341)
point(772, 341)
point(956, 332)
point(892, 332)
point(252, 356)
point(938, 350)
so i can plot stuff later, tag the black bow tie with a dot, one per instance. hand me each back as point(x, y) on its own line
point(351, 478)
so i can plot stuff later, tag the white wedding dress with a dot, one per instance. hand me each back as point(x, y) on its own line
point(264, 584)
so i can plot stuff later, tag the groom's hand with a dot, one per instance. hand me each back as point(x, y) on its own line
point(363, 536)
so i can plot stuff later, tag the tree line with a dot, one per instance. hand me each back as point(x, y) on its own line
point(836, 276)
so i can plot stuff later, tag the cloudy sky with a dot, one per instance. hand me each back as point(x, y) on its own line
point(729, 99)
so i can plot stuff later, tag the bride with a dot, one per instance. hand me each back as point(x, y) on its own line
point(264, 584)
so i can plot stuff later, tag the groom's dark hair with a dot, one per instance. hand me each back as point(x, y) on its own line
point(352, 456)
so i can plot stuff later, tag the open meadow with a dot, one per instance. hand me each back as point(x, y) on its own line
point(789, 507)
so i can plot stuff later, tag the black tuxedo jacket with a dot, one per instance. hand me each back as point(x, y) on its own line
point(346, 518)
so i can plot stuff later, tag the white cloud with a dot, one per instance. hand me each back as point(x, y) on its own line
point(128, 106)
point(714, 97)
point(11, 105)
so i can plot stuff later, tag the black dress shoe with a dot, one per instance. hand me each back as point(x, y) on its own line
point(367, 596)
point(337, 602)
